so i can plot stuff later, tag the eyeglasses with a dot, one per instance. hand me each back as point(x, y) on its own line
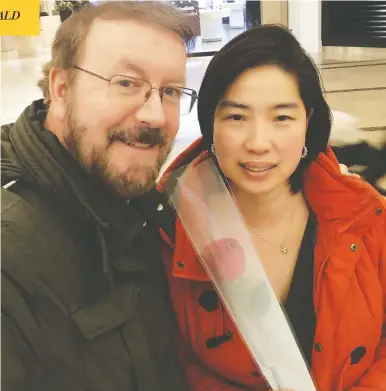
point(127, 86)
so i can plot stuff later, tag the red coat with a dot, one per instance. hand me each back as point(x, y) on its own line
point(349, 294)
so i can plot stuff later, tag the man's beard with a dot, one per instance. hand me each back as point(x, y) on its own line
point(136, 179)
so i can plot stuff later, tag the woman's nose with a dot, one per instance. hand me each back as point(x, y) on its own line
point(257, 137)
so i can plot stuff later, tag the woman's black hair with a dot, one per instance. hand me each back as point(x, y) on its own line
point(268, 45)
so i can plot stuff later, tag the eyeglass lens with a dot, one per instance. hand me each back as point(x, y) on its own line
point(133, 87)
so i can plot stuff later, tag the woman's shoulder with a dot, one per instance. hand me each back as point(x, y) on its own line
point(338, 196)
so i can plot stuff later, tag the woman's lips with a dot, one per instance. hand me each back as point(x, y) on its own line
point(257, 167)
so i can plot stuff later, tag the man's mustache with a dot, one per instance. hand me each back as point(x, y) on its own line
point(149, 136)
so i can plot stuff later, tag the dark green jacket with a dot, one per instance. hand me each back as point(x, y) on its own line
point(85, 302)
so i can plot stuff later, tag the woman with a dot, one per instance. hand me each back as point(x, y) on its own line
point(321, 236)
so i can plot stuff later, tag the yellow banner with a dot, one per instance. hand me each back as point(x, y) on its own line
point(19, 17)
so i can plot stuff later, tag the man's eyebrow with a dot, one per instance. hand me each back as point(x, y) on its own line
point(236, 105)
point(124, 64)
point(178, 82)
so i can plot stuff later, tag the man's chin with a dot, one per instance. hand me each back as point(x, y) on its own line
point(134, 184)
point(129, 180)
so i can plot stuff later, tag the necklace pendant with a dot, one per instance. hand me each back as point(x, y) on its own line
point(284, 250)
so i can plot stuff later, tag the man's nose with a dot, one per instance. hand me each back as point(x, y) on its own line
point(152, 111)
point(257, 137)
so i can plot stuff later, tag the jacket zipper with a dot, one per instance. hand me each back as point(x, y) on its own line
point(324, 264)
point(319, 278)
point(344, 370)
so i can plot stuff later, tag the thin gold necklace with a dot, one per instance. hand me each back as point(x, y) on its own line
point(283, 249)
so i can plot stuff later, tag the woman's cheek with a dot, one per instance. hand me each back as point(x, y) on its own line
point(226, 141)
point(292, 141)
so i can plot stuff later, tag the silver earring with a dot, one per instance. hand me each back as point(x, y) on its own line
point(212, 149)
point(304, 152)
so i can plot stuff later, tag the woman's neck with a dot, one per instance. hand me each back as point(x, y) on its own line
point(269, 209)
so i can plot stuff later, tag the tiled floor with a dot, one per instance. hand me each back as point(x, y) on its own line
point(354, 80)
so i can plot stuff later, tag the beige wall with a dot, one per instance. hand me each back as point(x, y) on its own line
point(274, 11)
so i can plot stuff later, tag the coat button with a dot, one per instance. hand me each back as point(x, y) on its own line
point(181, 264)
point(215, 342)
point(357, 354)
point(255, 374)
point(353, 247)
point(160, 207)
point(378, 212)
point(208, 300)
point(319, 347)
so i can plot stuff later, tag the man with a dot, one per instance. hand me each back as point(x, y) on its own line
point(84, 298)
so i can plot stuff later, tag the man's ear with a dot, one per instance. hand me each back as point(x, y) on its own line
point(58, 87)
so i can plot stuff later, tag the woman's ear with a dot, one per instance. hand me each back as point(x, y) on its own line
point(310, 115)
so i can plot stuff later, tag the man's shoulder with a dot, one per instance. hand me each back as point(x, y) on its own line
point(20, 212)
point(37, 236)
point(5, 128)
point(5, 137)
point(17, 214)
point(8, 200)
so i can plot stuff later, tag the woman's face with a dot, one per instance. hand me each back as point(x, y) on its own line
point(259, 129)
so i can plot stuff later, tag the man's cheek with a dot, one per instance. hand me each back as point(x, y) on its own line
point(92, 140)
point(171, 127)
point(114, 118)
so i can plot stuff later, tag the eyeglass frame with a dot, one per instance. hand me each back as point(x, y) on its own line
point(194, 94)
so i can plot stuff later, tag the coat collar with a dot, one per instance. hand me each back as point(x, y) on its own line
point(338, 200)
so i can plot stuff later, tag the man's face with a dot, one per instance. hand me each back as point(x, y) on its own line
point(118, 137)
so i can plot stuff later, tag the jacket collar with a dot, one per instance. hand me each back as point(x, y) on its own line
point(341, 201)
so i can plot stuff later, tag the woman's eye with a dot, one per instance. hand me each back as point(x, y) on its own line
point(283, 118)
point(235, 117)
